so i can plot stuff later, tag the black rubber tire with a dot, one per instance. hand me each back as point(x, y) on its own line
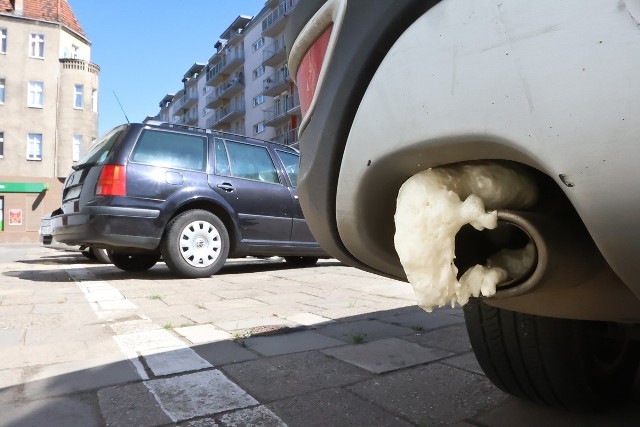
point(87, 253)
point(133, 262)
point(571, 364)
point(172, 246)
point(100, 255)
point(301, 261)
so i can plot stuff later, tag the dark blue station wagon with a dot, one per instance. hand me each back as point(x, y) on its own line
point(191, 196)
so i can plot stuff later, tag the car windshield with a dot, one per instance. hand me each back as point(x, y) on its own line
point(99, 150)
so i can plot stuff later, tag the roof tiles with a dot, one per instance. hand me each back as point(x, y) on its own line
point(46, 10)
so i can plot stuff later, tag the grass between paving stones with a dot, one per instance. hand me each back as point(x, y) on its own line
point(168, 325)
point(156, 297)
point(358, 338)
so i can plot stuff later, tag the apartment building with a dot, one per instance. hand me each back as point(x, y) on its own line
point(48, 109)
point(245, 86)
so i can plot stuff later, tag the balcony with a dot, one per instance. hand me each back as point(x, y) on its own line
point(276, 83)
point(177, 103)
point(229, 60)
point(282, 111)
point(188, 101)
point(225, 90)
point(225, 115)
point(289, 137)
point(190, 119)
point(275, 53)
point(79, 65)
point(274, 23)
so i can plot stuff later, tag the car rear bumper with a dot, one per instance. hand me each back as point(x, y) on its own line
point(109, 227)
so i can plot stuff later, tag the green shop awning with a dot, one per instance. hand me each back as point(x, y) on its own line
point(23, 187)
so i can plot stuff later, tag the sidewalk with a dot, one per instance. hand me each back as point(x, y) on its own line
point(258, 344)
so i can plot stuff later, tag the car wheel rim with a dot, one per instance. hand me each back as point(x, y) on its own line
point(200, 244)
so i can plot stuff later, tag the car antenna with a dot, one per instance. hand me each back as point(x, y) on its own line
point(125, 114)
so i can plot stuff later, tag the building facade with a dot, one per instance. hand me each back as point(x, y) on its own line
point(48, 109)
point(245, 87)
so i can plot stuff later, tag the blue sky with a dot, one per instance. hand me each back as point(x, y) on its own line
point(144, 47)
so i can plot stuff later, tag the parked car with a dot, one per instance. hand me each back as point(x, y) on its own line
point(389, 89)
point(191, 196)
point(46, 238)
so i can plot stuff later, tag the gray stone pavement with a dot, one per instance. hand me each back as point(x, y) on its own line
point(258, 344)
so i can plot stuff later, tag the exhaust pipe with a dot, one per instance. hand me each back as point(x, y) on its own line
point(567, 277)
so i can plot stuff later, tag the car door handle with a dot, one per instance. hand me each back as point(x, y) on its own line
point(226, 187)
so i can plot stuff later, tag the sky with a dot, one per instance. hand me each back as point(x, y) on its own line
point(144, 48)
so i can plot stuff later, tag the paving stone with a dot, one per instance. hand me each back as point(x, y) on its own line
point(386, 355)
point(309, 319)
point(123, 304)
point(203, 333)
point(14, 310)
point(431, 394)
point(223, 352)
point(131, 405)
point(453, 338)
point(258, 416)
point(418, 318)
point(147, 342)
point(280, 377)
point(290, 343)
point(199, 394)
point(54, 412)
point(10, 337)
point(175, 361)
point(367, 330)
point(334, 407)
point(83, 375)
point(255, 322)
point(466, 361)
point(131, 326)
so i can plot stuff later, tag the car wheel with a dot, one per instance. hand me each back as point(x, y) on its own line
point(133, 262)
point(100, 255)
point(196, 244)
point(301, 261)
point(565, 363)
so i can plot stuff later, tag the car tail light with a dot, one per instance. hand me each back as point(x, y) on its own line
point(309, 71)
point(112, 181)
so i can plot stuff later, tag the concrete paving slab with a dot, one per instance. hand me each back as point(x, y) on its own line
point(200, 334)
point(123, 304)
point(452, 338)
point(131, 405)
point(275, 378)
point(291, 343)
point(14, 310)
point(72, 377)
point(466, 361)
point(362, 331)
point(258, 416)
point(148, 342)
point(223, 352)
point(54, 412)
point(415, 317)
point(333, 407)
point(255, 322)
point(131, 326)
point(10, 337)
point(174, 361)
point(199, 394)
point(417, 395)
point(309, 319)
point(386, 355)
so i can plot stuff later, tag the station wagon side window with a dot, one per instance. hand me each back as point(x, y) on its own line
point(222, 160)
point(291, 165)
point(171, 150)
point(251, 162)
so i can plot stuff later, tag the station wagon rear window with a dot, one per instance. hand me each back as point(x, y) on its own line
point(171, 150)
point(98, 152)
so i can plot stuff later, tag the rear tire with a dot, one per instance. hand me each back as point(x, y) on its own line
point(301, 261)
point(133, 262)
point(565, 363)
point(196, 244)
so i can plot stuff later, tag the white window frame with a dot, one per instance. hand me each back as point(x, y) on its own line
point(259, 128)
point(35, 94)
point(2, 90)
point(3, 40)
point(36, 45)
point(94, 100)
point(259, 71)
point(77, 147)
point(258, 44)
point(1, 145)
point(75, 51)
point(34, 146)
point(78, 97)
point(258, 100)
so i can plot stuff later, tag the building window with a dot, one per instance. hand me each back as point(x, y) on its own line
point(78, 95)
point(258, 100)
point(36, 94)
point(75, 51)
point(3, 40)
point(258, 72)
point(1, 91)
point(260, 127)
point(77, 145)
point(94, 100)
point(1, 145)
point(36, 45)
point(34, 146)
point(258, 44)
